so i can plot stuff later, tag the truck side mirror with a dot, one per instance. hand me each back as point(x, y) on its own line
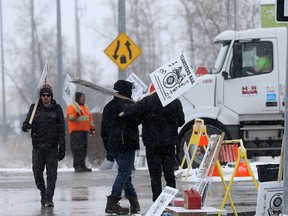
point(225, 75)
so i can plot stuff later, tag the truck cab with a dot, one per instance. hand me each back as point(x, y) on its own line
point(244, 93)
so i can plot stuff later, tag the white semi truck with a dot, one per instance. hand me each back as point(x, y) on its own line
point(235, 97)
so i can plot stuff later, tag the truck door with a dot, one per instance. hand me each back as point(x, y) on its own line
point(252, 83)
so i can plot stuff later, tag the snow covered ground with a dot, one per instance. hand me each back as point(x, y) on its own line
point(228, 170)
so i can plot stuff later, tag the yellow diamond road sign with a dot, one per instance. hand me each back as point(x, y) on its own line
point(123, 51)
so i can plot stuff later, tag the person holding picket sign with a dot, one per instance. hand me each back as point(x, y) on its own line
point(160, 136)
point(48, 140)
point(121, 140)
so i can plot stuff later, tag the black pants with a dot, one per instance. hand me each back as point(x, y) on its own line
point(40, 159)
point(160, 158)
point(79, 142)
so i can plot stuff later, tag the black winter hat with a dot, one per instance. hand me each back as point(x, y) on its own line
point(78, 96)
point(124, 87)
point(46, 89)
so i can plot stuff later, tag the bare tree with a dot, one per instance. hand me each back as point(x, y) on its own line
point(19, 49)
point(205, 19)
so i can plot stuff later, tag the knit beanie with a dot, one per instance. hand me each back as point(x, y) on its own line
point(46, 89)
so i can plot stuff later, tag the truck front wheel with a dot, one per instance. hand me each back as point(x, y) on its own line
point(212, 127)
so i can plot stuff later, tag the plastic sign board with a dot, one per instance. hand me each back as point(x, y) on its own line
point(270, 198)
point(139, 86)
point(282, 11)
point(123, 51)
point(69, 90)
point(173, 79)
point(162, 201)
point(44, 76)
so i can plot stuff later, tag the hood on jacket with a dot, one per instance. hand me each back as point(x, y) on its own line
point(78, 96)
point(124, 88)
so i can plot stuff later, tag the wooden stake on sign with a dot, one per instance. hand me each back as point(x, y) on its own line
point(33, 112)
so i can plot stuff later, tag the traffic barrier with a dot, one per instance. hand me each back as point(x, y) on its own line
point(199, 131)
point(241, 160)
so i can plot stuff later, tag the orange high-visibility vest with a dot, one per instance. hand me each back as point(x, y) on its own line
point(83, 122)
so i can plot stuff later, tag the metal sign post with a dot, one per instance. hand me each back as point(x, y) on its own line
point(285, 159)
point(121, 28)
point(282, 16)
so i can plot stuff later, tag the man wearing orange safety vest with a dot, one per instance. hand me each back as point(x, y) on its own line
point(80, 122)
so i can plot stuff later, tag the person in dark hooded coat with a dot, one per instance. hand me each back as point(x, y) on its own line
point(160, 137)
point(121, 140)
point(48, 141)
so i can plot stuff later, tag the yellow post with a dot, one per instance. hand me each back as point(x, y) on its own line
point(242, 155)
point(199, 129)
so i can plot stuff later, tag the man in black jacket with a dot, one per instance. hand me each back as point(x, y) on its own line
point(121, 140)
point(160, 137)
point(48, 141)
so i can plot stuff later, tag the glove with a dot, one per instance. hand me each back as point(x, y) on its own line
point(110, 156)
point(79, 113)
point(92, 132)
point(61, 153)
point(26, 127)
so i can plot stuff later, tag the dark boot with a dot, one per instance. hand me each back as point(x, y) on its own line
point(113, 206)
point(43, 198)
point(134, 204)
point(49, 202)
point(86, 169)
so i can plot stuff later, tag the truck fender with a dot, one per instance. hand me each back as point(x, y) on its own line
point(201, 112)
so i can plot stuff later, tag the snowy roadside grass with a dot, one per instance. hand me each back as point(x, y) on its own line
point(16, 152)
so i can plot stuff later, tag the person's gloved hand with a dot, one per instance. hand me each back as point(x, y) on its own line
point(79, 113)
point(110, 156)
point(26, 127)
point(61, 152)
point(92, 133)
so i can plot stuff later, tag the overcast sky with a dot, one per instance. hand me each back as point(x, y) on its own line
point(91, 12)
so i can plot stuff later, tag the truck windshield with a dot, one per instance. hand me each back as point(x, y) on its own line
point(221, 58)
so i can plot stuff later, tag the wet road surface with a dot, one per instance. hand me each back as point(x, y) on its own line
point(85, 194)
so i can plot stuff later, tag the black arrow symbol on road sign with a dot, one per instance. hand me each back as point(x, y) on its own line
point(115, 56)
point(128, 48)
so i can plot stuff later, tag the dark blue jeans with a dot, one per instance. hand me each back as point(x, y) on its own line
point(123, 181)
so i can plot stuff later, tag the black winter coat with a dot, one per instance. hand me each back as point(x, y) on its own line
point(48, 127)
point(159, 124)
point(119, 134)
